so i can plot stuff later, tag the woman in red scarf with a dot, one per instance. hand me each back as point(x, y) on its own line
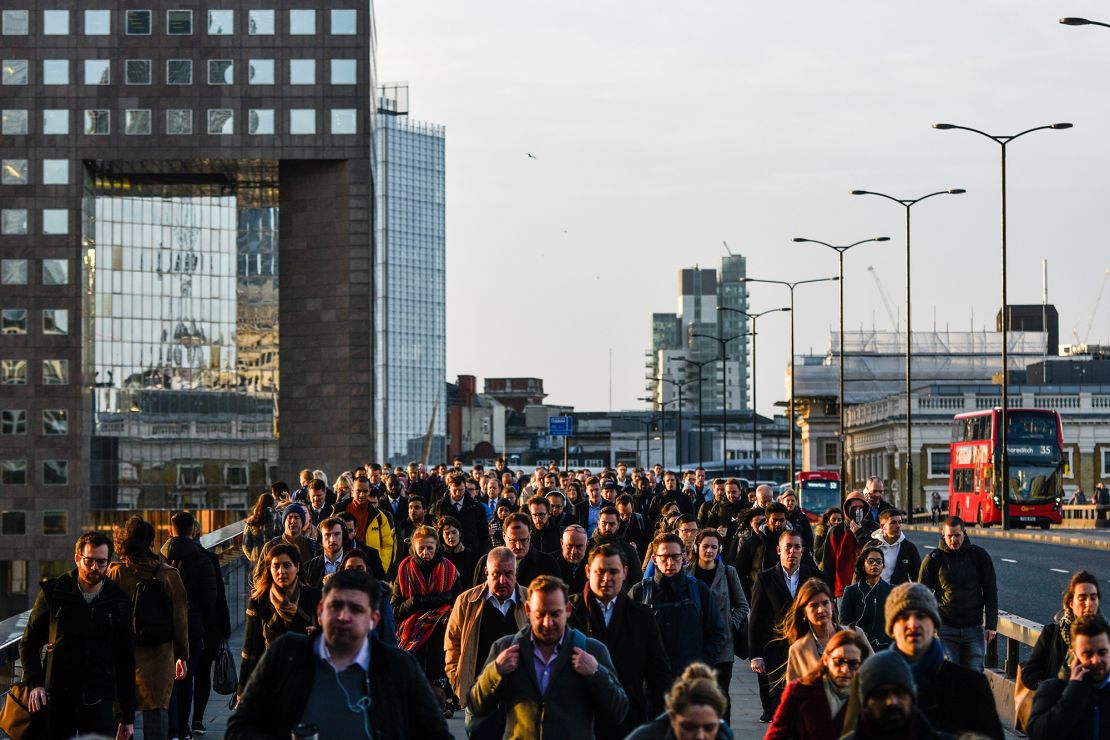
point(427, 584)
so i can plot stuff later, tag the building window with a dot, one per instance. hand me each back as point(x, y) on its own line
point(13, 172)
point(13, 321)
point(344, 22)
point(220, 71)
point(13, 372)
point(55, 71)
point(302, 71)
point(13, 122)
point(190, 475)
point(55, 121)
point(136, 122)
point(179, 71)
point(262, 121)
point(344, 121)
point(55, 321)
point(302, 121)
point(55, 422)
point(261, 71)
point(13, 221)
point(830, 454)
point(55, 221)
point(1069, 467)
point(179, 22)
point(236, 475)
point(98, 122)
point(137, 71)
point(302, 22)
point(260, 22)
point(55, 372)
point(55, 172)
point(15, 23)
point(55, 272)
point(55, 473)
point(55, 522)
point(221, 22)
point(55, 23)
point(138, 22)
point(98, 72)
point(13, 421)
point(221, 121)
point(13, 472)
point(344, 71)
point(13, 574)
point(13, 522)
point(14, 72)
point(179, 121)
point(13, 272)
point(98, 22)
point(1105, 472)
point(938, 463)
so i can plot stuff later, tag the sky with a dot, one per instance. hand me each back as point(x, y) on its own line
point(660, 130)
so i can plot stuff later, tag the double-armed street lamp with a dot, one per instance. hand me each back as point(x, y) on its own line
point(840, 250)
point(678, 446)
point(701, 398)
point(1003, 142)
point(908, 204)
point(754, 317)
point(791, 286)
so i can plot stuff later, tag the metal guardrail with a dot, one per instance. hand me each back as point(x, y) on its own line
point(1018, 631)
point(234, 568)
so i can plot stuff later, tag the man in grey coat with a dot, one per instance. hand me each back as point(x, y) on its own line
point(548, 665)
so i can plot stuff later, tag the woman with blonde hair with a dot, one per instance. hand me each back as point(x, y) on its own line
point(809, 624)
point(695, 710)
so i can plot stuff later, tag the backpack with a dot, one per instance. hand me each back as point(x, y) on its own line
point(152, 612)
point(692, 584)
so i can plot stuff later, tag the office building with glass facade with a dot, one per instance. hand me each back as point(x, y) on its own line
point(186, 196)
point(410, 402)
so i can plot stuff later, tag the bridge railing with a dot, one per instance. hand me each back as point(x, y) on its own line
point(1018, 632)
point(226, 543)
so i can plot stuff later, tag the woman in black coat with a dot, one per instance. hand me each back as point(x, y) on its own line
point(1050, 655)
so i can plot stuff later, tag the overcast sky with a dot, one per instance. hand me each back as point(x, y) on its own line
point(661, 129)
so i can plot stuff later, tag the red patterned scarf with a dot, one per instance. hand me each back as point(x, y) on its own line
point(416, 628)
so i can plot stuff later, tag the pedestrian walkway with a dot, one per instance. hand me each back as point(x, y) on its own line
point(744, 693)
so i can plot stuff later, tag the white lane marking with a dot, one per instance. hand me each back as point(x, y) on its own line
point(1007, 560)
point(1057, 570)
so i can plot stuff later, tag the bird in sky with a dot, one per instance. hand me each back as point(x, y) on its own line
point(530, 155)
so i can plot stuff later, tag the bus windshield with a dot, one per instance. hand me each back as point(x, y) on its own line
point(1029, 481)
point(818, 495)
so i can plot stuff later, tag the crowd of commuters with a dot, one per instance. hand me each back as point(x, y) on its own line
point(558, 604)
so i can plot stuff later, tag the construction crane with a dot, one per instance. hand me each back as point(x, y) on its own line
point(882, 294)
point(1094, 309)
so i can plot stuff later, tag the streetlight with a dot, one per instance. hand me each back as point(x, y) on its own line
point(678, 434)
point(791, 286)
point(908, 204)
point(647, 433)
point(723, 359)
point(1002, 142)
point(840, 250)
point(1082, 22)
point(754, 317)
point(701, 397)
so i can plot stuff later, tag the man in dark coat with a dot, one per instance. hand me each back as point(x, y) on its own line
point(343, 680)
point(670, 494)
point(758, 553)
point(608, 533)
point(215, 633)
point(572, 559)
point(94, 661)
point(530, 562)
point(470, 513)
point(604, 612)
point(1078, 708)
point(772, 594)
point(546, 532)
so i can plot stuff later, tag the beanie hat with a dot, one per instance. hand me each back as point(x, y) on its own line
point(910, 596)
point(885, 668)
point(295, 509)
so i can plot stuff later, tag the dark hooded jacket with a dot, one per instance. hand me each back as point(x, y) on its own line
point(964, 583)
point(199, 578)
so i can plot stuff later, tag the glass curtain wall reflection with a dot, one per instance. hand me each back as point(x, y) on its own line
point(184, 336)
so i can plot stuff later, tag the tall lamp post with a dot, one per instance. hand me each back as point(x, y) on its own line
point(791, 286)
point(678, 446)
point(701, 405)
point(840, 250)
point(647, 433)
point(908, 204)
point(1082, 22)
point(754, 317)
point(722, 342)
point(1003, 142)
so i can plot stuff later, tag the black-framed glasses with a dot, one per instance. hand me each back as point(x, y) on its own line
point(847, 662)
point(95, 562)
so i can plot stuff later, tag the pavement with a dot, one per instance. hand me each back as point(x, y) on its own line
point(1095, 539)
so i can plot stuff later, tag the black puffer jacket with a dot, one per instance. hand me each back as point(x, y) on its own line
point(964, 583)
point(199, 578)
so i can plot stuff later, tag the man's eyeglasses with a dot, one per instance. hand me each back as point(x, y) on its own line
point(852, 665)
point(97, 562)
point(668, 557)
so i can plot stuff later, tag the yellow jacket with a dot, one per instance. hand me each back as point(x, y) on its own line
point(379, 536)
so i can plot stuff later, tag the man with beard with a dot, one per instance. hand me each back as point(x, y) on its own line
point(530, 562)
point(1080, 706)
point(545, 532)
point(331, 559)
point(342, 680)
point(889, 710)
point(470, 513)
point(633, 528)
point(547, 664)
point(608, 533)
point(670, 494)
point(757, 553)
point(707, 511)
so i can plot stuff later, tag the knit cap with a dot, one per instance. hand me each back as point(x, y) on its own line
point(910, 596)
point(885, 668)
point(295, 509)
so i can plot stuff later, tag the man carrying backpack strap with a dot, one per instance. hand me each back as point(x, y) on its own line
point(683, 607)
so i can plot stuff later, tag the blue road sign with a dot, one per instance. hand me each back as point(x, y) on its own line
point(560, 426)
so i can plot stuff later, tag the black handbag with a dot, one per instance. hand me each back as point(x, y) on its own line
point(224, 678)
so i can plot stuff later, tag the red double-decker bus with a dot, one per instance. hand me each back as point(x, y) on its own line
point(817, 491)
point(1034, 438)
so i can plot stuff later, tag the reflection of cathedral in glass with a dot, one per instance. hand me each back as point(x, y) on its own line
point(184, 350)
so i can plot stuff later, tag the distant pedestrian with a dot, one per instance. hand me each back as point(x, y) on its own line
point(844, 541)
point(901, 560)
point(1079, 498)
point(937, 507)
point(262, 525)
point(1102, 494)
